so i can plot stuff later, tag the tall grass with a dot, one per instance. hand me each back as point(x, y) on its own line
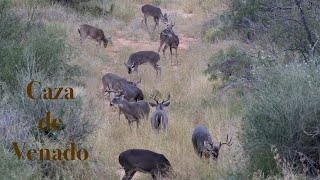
point(283, 110)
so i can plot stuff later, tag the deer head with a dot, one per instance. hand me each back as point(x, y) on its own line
point(160, 106)
point(129, 67)
point(213, 149)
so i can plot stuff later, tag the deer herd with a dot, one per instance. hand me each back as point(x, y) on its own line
point(130, 101)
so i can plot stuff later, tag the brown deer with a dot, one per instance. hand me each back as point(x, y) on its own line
point(97, 34)
point(155, 12)
point(170, 39)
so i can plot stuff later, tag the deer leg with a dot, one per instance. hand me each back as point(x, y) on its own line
point(161, 44)
point(128, 175)
point(171, 54)
point(119, 114)
point(145, 20)
point(164, 50)
point(81, 39)
point(156, 20)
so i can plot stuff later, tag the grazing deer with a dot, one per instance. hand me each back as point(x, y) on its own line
point(160, 116)
point(143, 57)
point(203, 144)
point(145, 161)
point(113, 83)
point(97, 34)
point(155, 12)
point(170, 39)
point(133, 111)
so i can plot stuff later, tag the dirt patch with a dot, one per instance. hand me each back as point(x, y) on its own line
point(120, 43)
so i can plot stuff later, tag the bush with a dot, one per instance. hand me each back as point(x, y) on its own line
point(283, 110)
point(266, 23)
point(30, 51)
point(229, 63)
point(21, 40)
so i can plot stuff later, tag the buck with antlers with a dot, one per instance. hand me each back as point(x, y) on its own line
point(143, 57)
point(203, 144)
point(169, 39)
point(160, 117)
point(155, 12)
point(97, 34)
point(113, 83)
point(133, 111)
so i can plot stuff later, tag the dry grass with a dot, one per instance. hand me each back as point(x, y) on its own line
point(186, 83)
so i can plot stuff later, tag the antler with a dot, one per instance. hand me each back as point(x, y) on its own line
point(138, 81)
point(228, 141)
point(152, 96)
point(168, 98)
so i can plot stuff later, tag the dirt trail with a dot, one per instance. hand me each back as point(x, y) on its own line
point(120, 43)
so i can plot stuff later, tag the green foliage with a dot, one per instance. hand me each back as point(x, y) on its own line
point(283, 109)
point(217, 28)
point(11, 167)
point(30, 40)
point(285, 25)
point(228, 63)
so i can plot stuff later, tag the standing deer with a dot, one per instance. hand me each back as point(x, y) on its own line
point(133, 111)
point(160, 116)
point(170, 39)
point(155, 12)
point(97, 34)
point(145, 161)
point(143, 57)
point(203, 145)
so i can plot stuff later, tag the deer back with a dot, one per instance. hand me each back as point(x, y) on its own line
point(151, 10)
point(145, 161)
point(93, 32)
point(143, 57)
point(199, 136)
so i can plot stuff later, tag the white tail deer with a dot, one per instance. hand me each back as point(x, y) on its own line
point(133, 111)
point(160, 116)
point(155, 12)
point(203, 145)
point(97, 34)
point(169, 39)
point(143, 57)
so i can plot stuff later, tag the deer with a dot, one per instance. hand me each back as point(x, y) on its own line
point(113, 83)
point(145, 161)
point(155, 12)
point(143, 57)
point(160, 116)
point(203, 144)
point(133, 111)
point(169, 39)
point(87, 31)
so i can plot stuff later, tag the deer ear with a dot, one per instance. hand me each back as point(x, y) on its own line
point(125, 64)
point(166, 104)
point(152, 104)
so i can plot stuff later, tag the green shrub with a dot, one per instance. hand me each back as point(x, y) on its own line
point(283, 109)
point(29, 40)
point(33, 51)
point(229, 63)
